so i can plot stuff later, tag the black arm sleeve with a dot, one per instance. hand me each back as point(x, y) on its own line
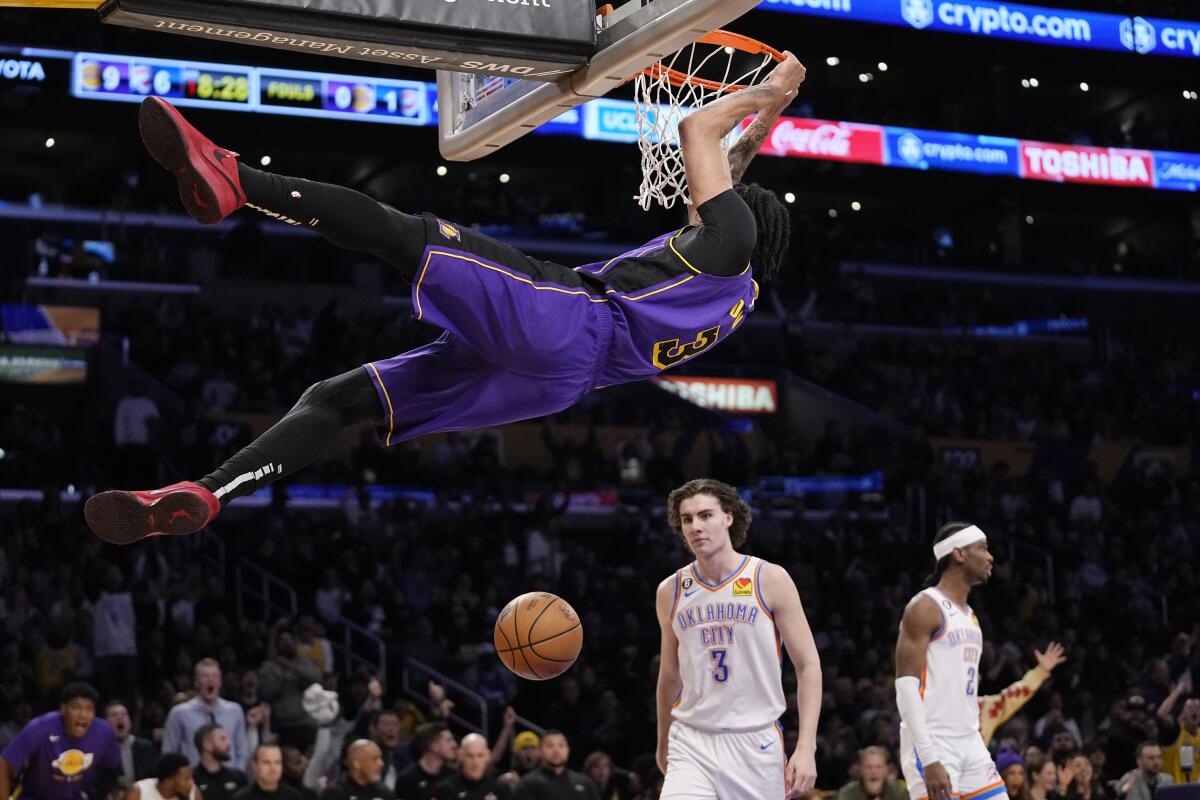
point(722, 244)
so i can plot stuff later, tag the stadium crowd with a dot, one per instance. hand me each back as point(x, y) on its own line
point(1106, 570)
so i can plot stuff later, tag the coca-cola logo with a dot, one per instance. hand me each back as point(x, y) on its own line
point(825, 139)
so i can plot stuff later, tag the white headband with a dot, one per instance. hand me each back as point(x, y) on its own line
point(964, 538)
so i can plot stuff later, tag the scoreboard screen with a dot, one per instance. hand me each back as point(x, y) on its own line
point(185, 83)
point(233, 87)
point(314, 94)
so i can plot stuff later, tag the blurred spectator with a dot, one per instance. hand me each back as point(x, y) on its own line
point(995, 710)
point(1058, 727)
point(1012, 771)
point(60, 660)
point(363, 775)
point(1129, 723)
point(872, 782)
point(1079, 781)
point(20, 712)
point(323, 706)
point(215, 780)
point(131, 427)
point(134, 424)
point(267, 765)
point(67, 754)
point(114, 637)
point(1180, 737)
point(138, 755)
point(1043, 780)
point(475, 781)
point(388, 732)
point(552, 780)
point(611, 785)
point(172, 780)
point(311, 646)
point(295, 765)
point(438, 751)
point(1144, 782)
point(527, 752)
point(283, 678)
point(206, 707)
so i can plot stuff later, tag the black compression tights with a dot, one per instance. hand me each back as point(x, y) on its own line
point(354, 221)
point(345, 217)
point(300, 437)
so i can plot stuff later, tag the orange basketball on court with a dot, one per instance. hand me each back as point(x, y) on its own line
point(538, 636)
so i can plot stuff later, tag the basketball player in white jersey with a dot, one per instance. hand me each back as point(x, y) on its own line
point(172, 781)
point(937, 677)
point(725, 619)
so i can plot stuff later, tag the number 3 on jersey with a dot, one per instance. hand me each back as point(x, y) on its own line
point(720, 672)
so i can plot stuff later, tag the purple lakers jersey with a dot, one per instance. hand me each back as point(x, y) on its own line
point(664, 310)
point(525, 338)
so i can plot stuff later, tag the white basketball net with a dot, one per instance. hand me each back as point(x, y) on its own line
point(661, 105)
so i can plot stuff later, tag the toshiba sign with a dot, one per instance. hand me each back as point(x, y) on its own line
point(735, 395)
point(1075, 164)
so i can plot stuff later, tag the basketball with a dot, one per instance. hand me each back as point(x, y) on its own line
point(538, 636)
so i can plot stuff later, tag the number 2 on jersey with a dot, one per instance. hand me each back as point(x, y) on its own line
point(970, 681)
point(720, 672)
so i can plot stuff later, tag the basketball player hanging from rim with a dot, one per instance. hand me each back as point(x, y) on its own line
point(726, 619)
point(937, 676)
point(523, 338)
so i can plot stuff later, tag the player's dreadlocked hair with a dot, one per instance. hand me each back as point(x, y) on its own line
point(947, 530)
point(774, 228)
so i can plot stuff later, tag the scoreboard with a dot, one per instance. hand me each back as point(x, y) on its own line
point(233, 87)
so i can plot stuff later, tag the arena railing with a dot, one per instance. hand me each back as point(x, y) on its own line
point(271, 596)
point(352, 640)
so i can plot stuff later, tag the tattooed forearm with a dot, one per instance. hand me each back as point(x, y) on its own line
point(749, 143)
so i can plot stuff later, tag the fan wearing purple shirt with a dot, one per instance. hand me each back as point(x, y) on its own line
point(67, 754)
point(523, 337)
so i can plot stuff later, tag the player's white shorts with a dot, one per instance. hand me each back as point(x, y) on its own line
point(724, 766)
point(972, 772)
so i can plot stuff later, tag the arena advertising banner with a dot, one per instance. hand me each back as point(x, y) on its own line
point(233, 87)
point(735, 395)
point(1179, 171)
point(960, 152)
point(1066, 163)
point(532, 39)
point(46, 365)
point(828, 141)
point(67, 326)
point(1058, 27)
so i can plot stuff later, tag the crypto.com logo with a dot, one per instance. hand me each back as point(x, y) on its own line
point(1138, 34)
point(911, 148)
point(918, 13)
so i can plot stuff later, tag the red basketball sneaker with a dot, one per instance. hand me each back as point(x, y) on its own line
point(207, 175)
point(125, 517)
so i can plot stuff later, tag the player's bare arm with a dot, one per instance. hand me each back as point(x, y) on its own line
point(779, 590)
point(920, 622)
point(706, 166)
point(743, 151)
point(669, 683)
